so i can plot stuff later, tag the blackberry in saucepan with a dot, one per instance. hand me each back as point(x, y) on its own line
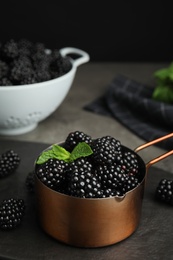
point(131, 182)
point(106, 150)
point(112, 178)
point(9, 162)
point(11, 213)
point(52, 174)
point(81, 181)
point(130, 162)
point(76, 137)
point(164, 191)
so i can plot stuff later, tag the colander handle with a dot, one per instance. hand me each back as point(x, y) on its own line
point(84, 56)
point(159, 158)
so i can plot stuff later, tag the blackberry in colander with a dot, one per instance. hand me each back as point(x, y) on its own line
point(29, 63)
point(5, 82)
point(10, 50)
point(4, 69)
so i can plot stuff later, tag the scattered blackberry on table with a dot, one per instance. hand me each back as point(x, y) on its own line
point(106, 150)
point(11, 213)
point(76, 137)
point(52, 174)
point(164, 191)
point(9, 162)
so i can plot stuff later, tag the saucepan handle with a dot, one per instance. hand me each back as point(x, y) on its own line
point(84, 56)
point(159, 158)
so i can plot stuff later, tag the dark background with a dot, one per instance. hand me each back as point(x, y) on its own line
point(107, 30)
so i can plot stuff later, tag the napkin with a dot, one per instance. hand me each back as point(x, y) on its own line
point(131, 103)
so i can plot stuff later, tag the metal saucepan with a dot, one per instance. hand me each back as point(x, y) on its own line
point(90, 222)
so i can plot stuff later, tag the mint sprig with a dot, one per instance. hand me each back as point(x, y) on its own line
point(60, 153)
point(163, 90)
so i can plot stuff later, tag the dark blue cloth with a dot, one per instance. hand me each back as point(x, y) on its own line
point(131, 104)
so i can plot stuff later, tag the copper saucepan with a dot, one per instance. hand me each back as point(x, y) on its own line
point(90, 222)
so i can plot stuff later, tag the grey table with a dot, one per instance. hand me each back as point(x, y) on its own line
point(152, 239)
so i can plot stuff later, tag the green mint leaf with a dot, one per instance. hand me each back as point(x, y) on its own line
point(56, 152)
point(163, 94)
point(81, 150)
point(162, 74)
point(61, 153)
point(45, 156)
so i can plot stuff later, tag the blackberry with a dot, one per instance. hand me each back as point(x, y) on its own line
point(5, 82)
point(4, 69)
point(42, 75)
point(11, 213)
point(106, 150)
point(52, 174)
point(112, 178)
point(31, 79)
point(30, 181)
point(81, 181)
point(39, 47)
point(22, 61)
point(25, 46)
point(76, 137)
point(10, 50)
point(164, 191)
point(20, 72)
point(130, 162)
point(9, 162)
point(66, 65)
point(131, 182)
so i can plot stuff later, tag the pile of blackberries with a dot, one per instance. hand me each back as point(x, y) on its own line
point(108, 171)
point(24, 62)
